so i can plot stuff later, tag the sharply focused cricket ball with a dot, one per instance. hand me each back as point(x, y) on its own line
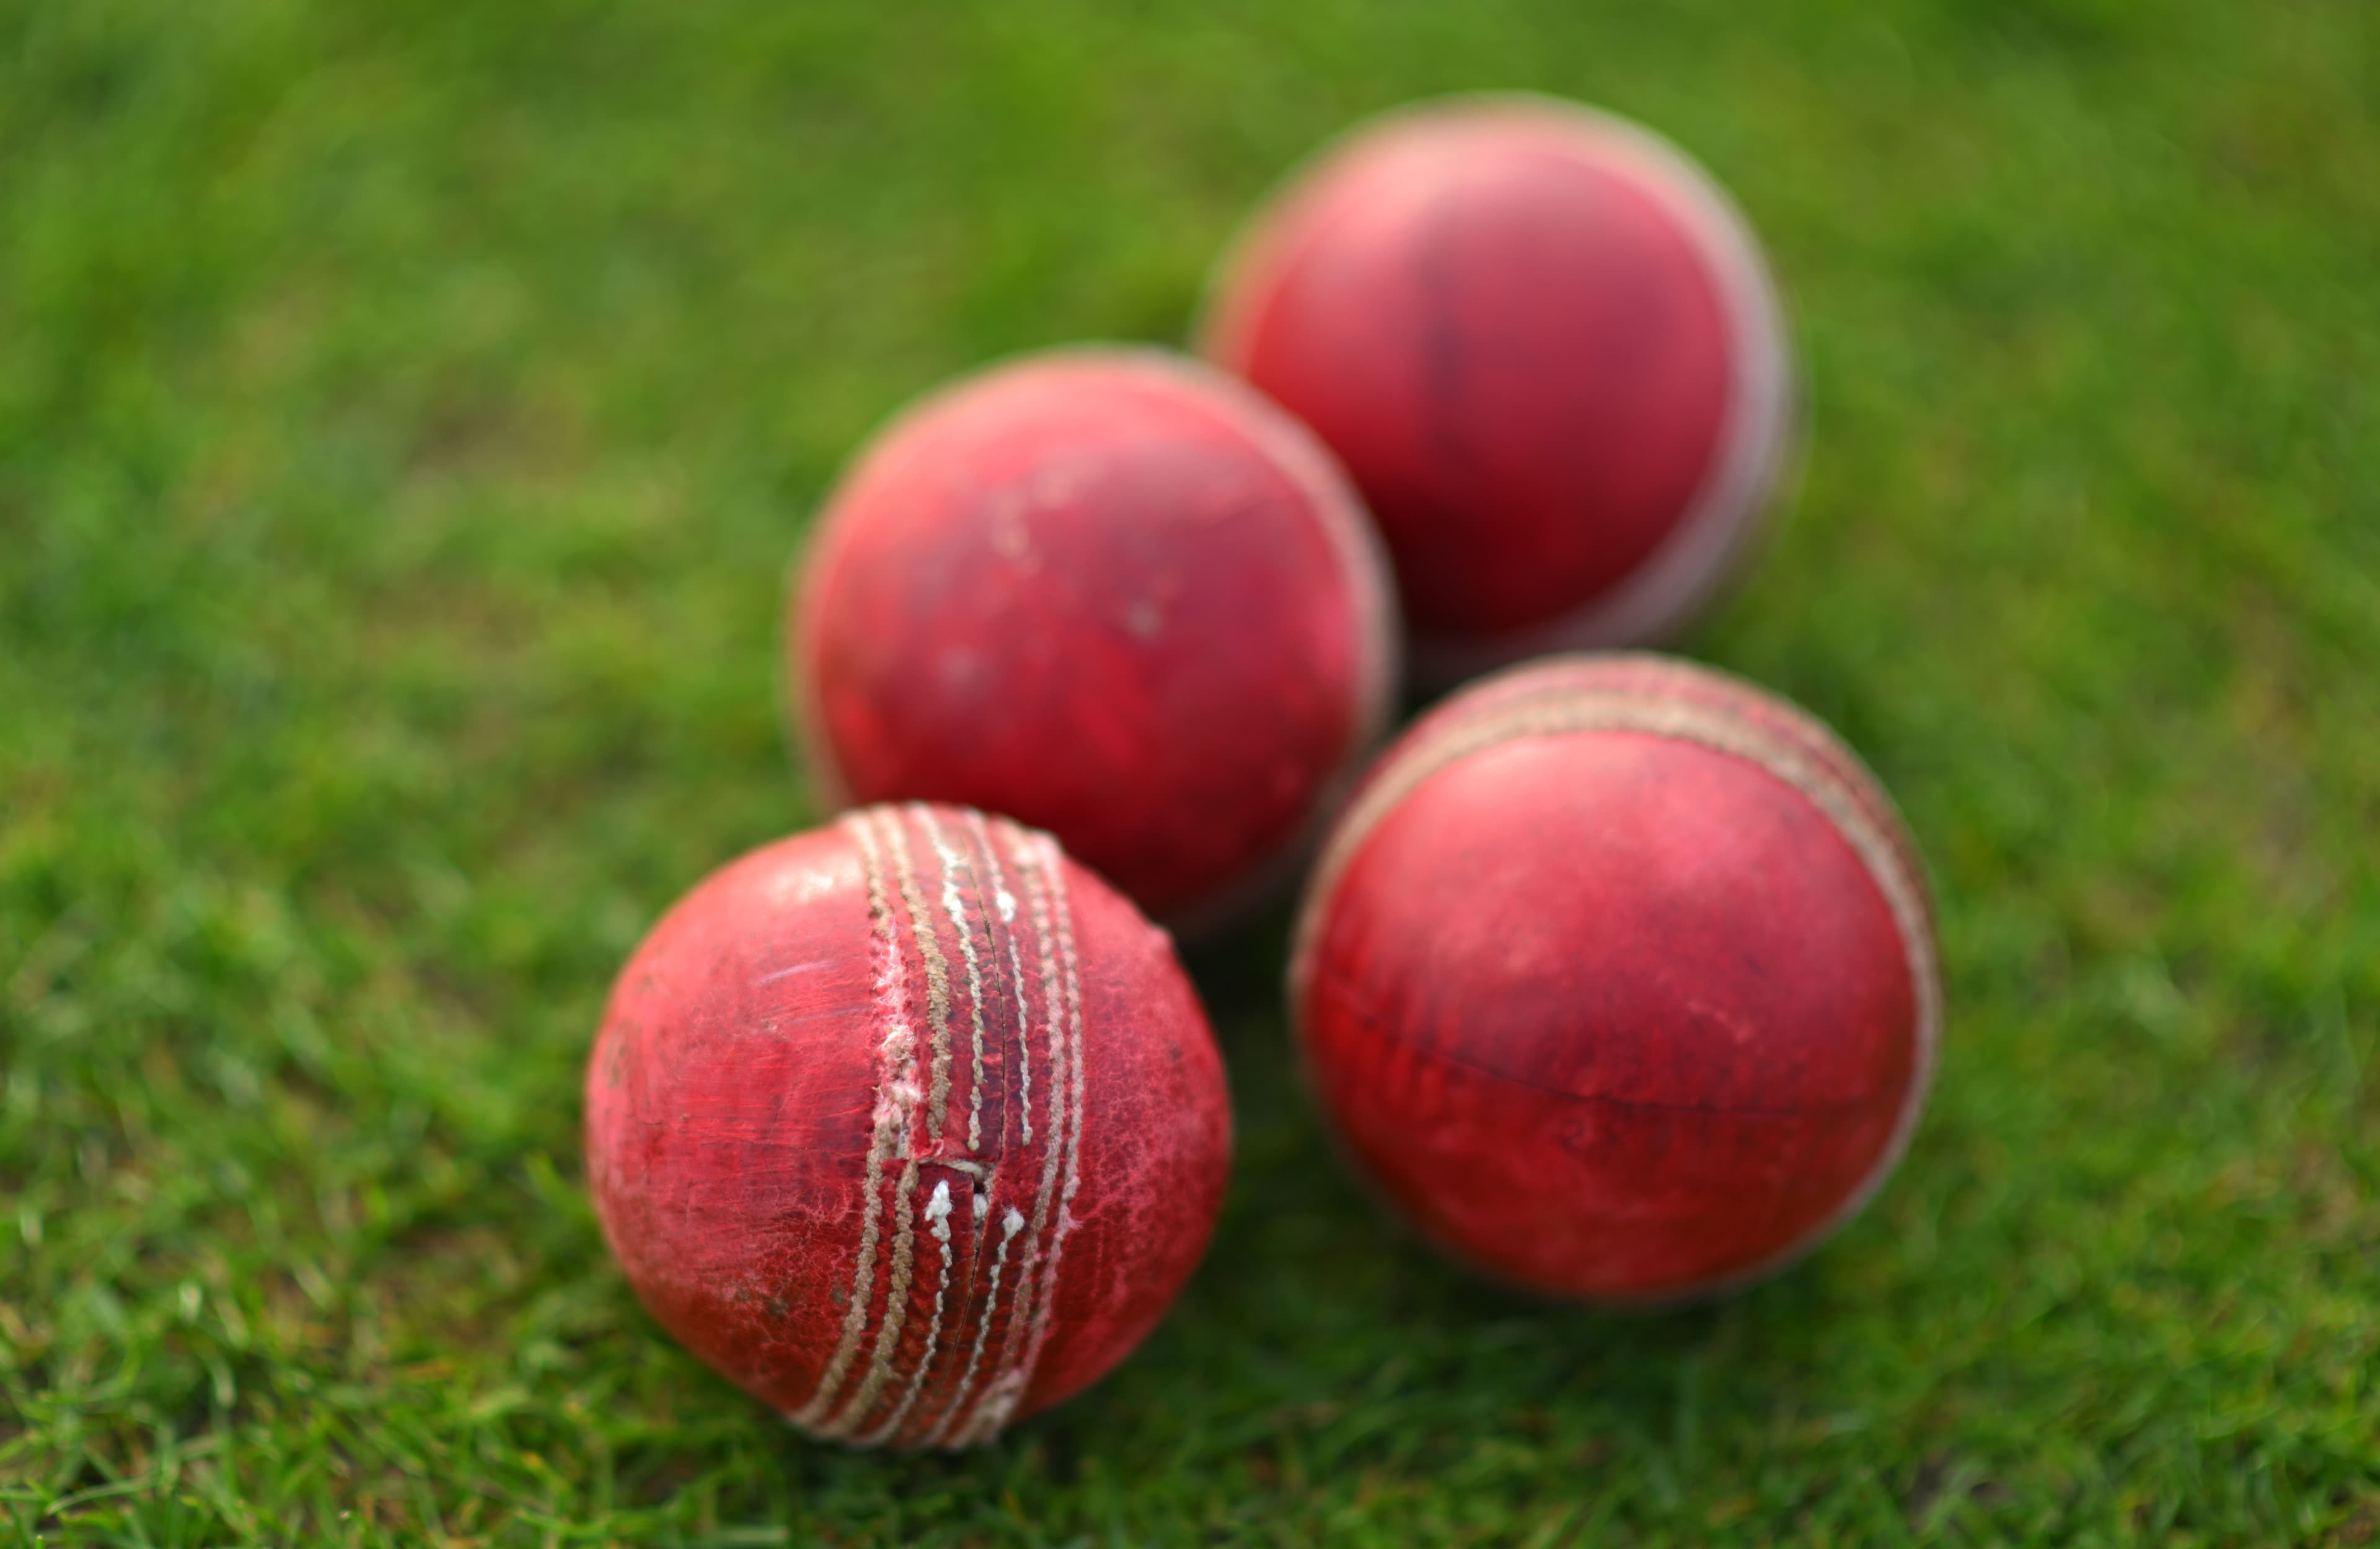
point(1618, 979)
point(1547, 349)
point(909, 1125)
point(1108, 593)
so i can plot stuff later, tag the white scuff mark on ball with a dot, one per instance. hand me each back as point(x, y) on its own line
point(800, 884)
point(1009, 538)
point(789, 972)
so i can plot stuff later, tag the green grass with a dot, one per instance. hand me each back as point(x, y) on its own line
point(405, 411)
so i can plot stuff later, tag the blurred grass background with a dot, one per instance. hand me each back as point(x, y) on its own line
point(405, 411)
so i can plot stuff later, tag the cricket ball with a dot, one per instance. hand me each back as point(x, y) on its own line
point(1108, 593)
point(908, 1124)
point(1547, 348)
point(1618, 979)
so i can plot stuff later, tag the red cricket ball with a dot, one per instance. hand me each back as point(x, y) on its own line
point(1618, 979)
point(1112, 594)
point(1547, 349)
point(908, 1124)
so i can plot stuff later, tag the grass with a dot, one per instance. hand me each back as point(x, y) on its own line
point(404, 413)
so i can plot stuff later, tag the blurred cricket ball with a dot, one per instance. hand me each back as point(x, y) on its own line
point(1547, 348)
point(1108, 593)
point(1619, 980)
point(907, 1124)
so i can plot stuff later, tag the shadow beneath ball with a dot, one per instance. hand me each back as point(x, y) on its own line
point(1242, 968)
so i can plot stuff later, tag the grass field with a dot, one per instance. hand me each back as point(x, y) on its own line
point(406, 411)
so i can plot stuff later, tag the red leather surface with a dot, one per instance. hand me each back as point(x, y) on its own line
point(1611, 1013)
point(744, 1067)
point(1518, 351)
point(1090, 591)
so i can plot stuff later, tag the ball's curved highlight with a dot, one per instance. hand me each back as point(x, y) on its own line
point(1619, 980)
point(1109, 592)
point(1549, 350)
point(909, 1125)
